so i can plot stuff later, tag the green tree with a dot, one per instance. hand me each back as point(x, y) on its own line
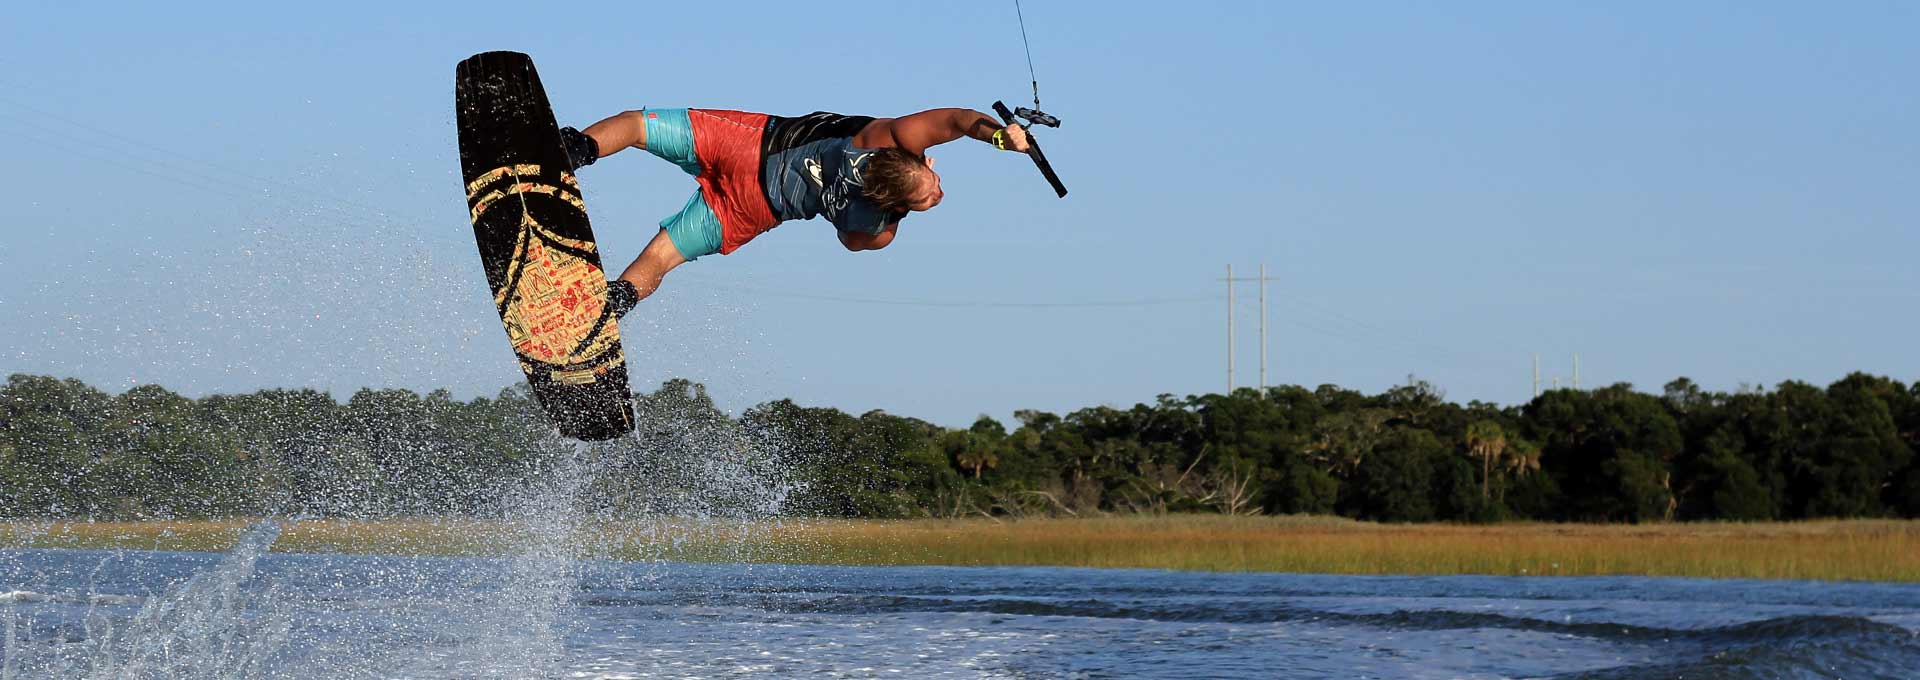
point(1394, 482)
point(1609, 451)
point(1342, 441)
point(285, 436)
point(158, 458)
point(1728, 484)
point(1904, 494)
point(1299, 486)
point(848, 467)
point(1841, 446)
point(50, 427)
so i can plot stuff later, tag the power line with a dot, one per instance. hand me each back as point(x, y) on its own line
point(1358, 331)
point(960, 304)
point(217, 188)
point(197, 173)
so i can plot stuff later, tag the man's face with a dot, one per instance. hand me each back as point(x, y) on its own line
point(930, 193)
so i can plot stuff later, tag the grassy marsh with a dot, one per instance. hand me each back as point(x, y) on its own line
point(1878, 550)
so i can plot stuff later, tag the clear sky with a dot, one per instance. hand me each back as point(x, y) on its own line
point(224, 198)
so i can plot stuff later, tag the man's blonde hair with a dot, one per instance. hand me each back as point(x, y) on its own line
point(891, 178)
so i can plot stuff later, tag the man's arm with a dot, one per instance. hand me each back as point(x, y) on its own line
point(921, 131)
point(857, 242)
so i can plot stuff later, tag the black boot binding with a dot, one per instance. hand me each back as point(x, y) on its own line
point(582, 150)
point(621, 297)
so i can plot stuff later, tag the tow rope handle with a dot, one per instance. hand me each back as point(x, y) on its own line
point(1035, 117)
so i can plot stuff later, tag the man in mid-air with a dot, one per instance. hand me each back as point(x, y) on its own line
point(755, 171)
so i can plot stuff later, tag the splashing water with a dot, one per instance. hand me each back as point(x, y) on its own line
point(340, 296)
point(210, 626)
point(522, 631)
point(232, 616)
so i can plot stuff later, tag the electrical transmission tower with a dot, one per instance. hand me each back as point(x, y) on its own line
point(1263, 279)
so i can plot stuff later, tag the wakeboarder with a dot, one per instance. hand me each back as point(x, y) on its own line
point(756, 171)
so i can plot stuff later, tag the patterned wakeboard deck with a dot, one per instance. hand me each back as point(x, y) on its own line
point(537, 247)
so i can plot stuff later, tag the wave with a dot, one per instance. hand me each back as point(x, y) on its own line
point(22, 596)
point(1789, 647)
point(799, 602)
point(1782, 647)
point(31, 597)
point(1779, 647)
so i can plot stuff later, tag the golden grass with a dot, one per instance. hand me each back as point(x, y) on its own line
point(1877, 550)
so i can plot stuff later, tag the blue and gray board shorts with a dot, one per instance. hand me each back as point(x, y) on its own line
point(695, 230)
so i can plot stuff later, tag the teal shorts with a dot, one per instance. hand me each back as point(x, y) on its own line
point(695, 229)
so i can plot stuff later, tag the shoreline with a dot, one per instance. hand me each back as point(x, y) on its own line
point(1864, 550)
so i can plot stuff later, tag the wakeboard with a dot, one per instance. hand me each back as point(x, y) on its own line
point(537, 247)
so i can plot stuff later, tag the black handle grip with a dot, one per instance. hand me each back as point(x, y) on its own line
point(1033, 150)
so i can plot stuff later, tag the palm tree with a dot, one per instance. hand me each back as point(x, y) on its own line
point(1486, 441)
point(1523, 458)
point(976, 455)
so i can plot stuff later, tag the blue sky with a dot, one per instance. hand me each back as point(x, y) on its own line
point(223, 198)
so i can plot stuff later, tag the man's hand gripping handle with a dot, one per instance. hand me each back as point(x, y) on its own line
point(1033, 150)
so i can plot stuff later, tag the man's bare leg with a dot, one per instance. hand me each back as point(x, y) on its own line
point(611, 135)
point(654, 262)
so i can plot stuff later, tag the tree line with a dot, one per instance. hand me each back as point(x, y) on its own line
point(68, 450)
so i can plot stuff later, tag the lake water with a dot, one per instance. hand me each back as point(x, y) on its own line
point(249, 613)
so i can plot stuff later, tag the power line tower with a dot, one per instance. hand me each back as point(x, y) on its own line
point(1229, 281)
point(1556, 379)
point(1536, 376)
point(1263, 279)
